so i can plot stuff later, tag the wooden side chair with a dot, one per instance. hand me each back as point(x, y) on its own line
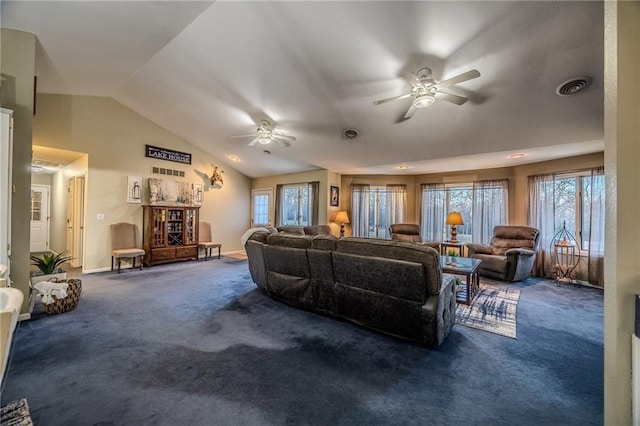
point(123, 244)
point(205, 241)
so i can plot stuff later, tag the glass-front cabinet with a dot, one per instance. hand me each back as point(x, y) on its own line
point(170, 234)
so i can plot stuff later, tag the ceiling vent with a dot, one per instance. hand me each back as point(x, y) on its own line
point(573, 86)
point(350, 133)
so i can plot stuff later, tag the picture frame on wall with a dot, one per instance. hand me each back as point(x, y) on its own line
point(335, 196)
point(134, 189)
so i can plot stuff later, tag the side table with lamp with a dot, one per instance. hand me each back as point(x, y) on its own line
point(454, 219)
point(341, 217)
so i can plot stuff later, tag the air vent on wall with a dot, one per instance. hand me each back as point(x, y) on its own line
point(573, 86)
point(167, 172)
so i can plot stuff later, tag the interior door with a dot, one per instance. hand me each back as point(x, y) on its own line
point(70, 216)
point(78, 218)
point(39, 234)
point(262, 207)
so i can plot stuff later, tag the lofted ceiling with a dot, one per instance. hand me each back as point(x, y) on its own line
point(210, 70)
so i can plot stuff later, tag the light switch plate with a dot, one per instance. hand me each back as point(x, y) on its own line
point(100, 216)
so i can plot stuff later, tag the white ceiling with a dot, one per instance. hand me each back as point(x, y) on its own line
point(208, 71)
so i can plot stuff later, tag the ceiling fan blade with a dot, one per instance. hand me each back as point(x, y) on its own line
point(285, 137)
point(459, 78)
point(395, 98)
point(243, 136)
point(454, 99)
point(412, 110)
point(253, 142)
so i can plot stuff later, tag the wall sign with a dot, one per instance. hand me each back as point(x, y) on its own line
point(167, 154)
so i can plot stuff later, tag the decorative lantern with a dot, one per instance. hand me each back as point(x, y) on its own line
point(565, 255)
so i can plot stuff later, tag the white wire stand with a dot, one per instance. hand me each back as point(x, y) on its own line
point(565, 256)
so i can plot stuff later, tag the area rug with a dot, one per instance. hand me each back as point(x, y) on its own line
point(16, 413)
point(492, 309)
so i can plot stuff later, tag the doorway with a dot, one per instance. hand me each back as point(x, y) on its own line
point(261, 207)
point(40, 208)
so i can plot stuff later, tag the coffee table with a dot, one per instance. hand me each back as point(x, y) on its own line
point(463, 266)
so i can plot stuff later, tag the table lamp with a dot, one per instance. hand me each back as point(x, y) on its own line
point(341, 218)
point(454, 219)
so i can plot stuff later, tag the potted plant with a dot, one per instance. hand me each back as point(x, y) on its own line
point(49, 266)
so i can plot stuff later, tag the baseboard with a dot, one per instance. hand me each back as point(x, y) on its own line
point(93, 271)
point(233, 252)
point(24, 317)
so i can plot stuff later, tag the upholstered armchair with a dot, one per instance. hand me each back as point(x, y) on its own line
point(510, 255)
point(410, 232)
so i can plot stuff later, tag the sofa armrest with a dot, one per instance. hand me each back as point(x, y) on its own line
point(478, 248)
point(439, 313)
point(519, 252)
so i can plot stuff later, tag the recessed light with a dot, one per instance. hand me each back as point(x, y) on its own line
point(517, 155)
point(234, 158)
point(403, 167)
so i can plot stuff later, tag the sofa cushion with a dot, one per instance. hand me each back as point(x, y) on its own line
point(291, 229)
point(289, 240)
point(390, 277)
point(427, 256)
point(317, 230)
point(324, 242)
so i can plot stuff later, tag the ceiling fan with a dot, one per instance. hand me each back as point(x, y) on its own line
point(265, 135)
point(425, 90)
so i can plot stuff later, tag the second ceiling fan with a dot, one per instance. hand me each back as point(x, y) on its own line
point(265, 135)
point(425, 90)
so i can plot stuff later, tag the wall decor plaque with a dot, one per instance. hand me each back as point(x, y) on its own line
point(167, 154)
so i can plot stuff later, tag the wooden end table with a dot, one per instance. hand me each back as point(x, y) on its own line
point(467, 267)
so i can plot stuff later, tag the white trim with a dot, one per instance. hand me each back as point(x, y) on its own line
point(24, 317)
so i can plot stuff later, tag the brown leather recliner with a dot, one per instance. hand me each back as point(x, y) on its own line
point(410, 232)
point(510, 255)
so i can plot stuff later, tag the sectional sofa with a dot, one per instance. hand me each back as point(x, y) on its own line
point(389, 286)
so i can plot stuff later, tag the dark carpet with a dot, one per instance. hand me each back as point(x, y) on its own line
point(196, 343)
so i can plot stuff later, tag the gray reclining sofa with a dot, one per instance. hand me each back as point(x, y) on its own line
point(390, 286)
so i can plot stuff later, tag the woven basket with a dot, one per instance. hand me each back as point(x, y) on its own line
point(70, 302)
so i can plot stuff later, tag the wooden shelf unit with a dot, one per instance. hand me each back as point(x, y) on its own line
point(170, 234)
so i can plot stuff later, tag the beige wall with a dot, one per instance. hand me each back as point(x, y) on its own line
point(18, 51)
point(114, 138)
point(622, 160)
point(41, 179)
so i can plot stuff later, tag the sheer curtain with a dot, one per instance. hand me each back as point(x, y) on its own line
point(360, 210)
point(593, 214)
point(490, 208)
point(279, 210)
point(433, 217)
point(314, 202)
point(541, 215)
point(396, 206)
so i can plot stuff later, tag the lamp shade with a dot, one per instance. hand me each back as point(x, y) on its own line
point(454, 218)
point(341, 217)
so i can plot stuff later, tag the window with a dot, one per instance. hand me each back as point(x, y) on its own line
point(482, 204)
point(297, 204)
point(374, 208)
point(577, 201)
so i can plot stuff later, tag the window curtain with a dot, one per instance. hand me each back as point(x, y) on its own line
point(360, 210)
point(279, 211)
point(433, 216)
point(593, 192)
point(396, 206)
point(541, 215)
point(490, 208)
point(314, 189)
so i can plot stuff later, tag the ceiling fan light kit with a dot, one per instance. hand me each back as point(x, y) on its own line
point(424, 90)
